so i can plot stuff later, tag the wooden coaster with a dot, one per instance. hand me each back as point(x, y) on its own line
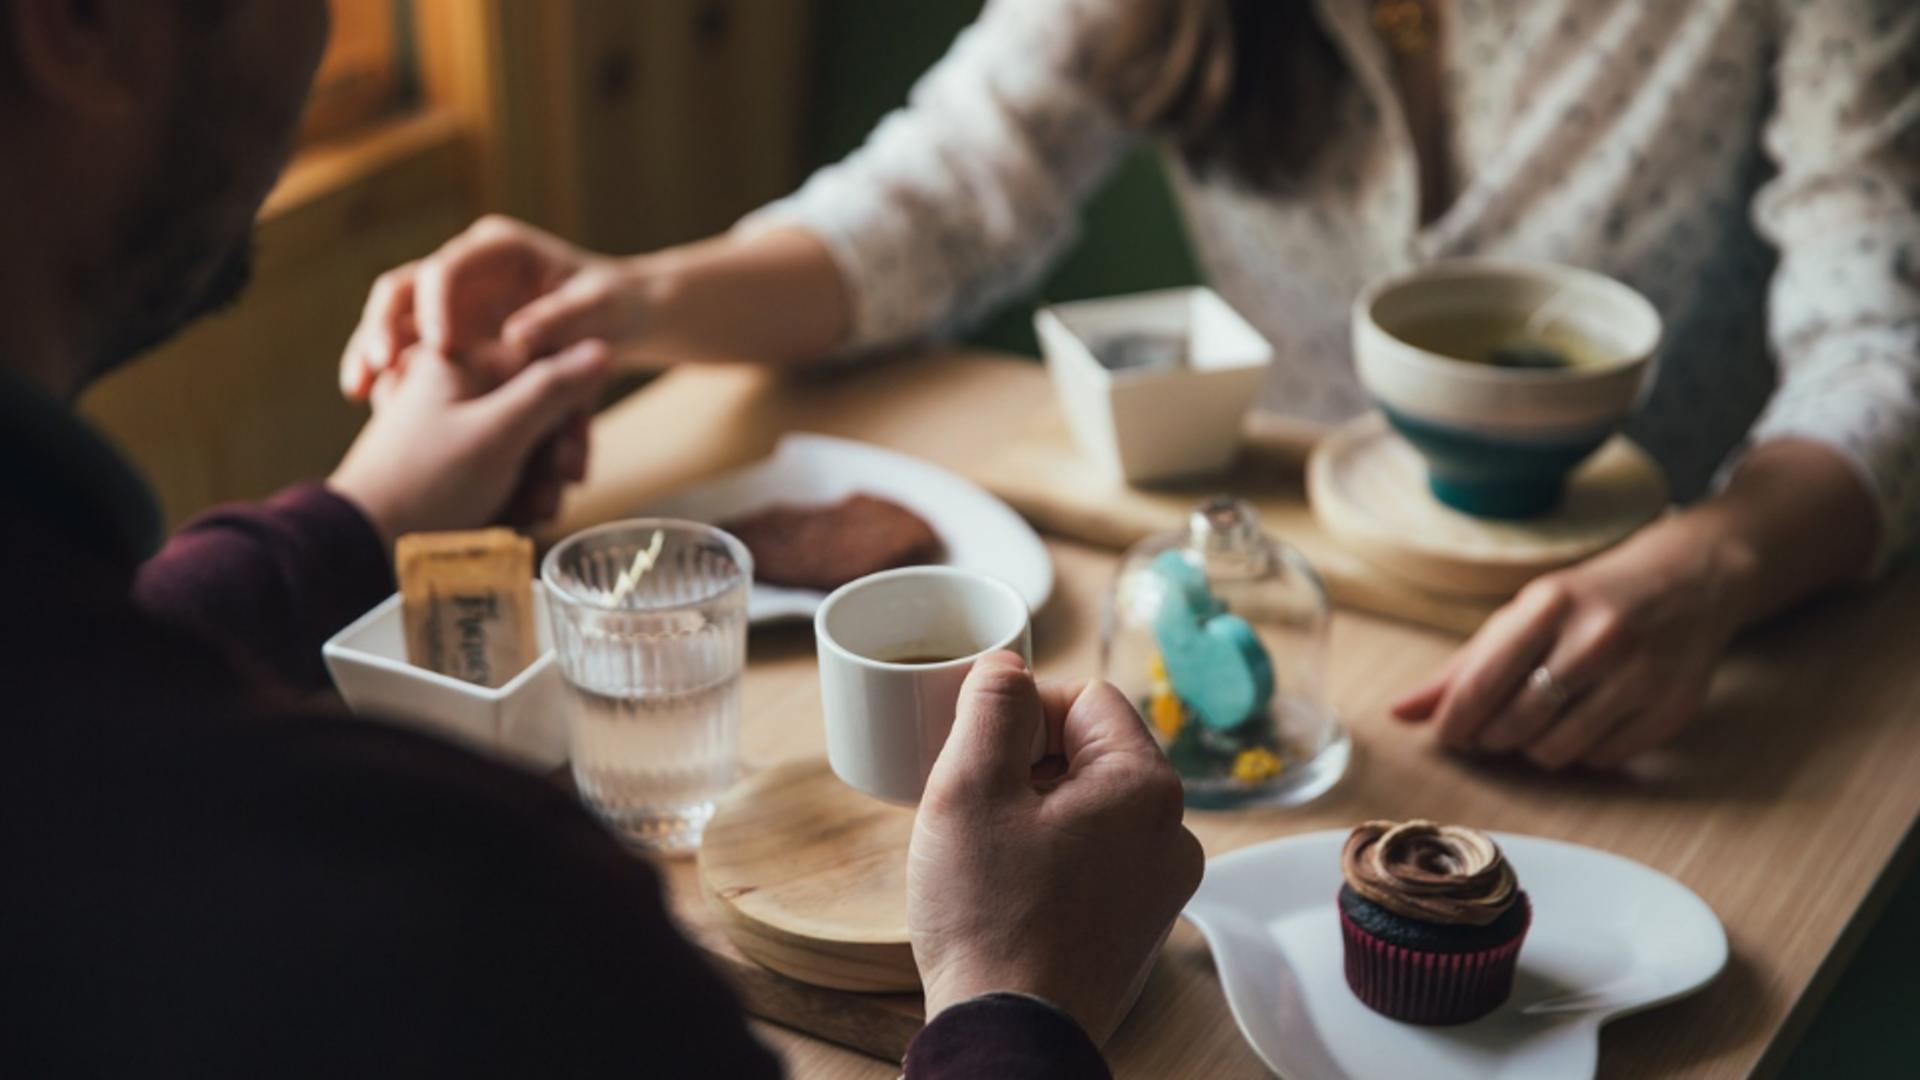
point(1369, 489)
point(809, 877)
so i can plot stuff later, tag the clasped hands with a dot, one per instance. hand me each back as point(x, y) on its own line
point(483, 370)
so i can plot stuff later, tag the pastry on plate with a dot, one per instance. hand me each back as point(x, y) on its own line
point(824, 547)
point(1433, 918)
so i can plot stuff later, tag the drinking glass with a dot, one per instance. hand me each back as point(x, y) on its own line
point(652, 667)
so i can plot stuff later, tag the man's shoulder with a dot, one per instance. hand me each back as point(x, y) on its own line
point(297, 770)
point(122, 722)
point(316, 873)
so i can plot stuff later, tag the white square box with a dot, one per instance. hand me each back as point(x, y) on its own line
point(1155, 423)
point(524, 720)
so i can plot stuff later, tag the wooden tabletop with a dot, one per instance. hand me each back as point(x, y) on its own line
point(1789, 805)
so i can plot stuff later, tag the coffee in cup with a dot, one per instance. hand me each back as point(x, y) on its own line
point(894, 649)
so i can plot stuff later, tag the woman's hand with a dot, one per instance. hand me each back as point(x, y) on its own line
point(504, 292)
point(443, 451)
point(496, 296)
point(1599, 662)
point(1613, 657)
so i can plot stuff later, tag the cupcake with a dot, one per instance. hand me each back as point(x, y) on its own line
point(1433, 918)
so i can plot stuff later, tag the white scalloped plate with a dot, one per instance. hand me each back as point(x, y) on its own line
point(980, 533)
point(1610, 937)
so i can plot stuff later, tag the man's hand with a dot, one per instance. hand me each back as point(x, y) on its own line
point(1061, 887)
point(444, 452)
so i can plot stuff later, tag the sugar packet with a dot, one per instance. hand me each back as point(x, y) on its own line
point(467, 601)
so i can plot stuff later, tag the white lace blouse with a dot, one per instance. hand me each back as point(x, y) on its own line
point(1752, 166)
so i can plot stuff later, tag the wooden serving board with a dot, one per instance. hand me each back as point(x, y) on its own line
point(1042, 474)
point(809, 877)
point(805, 888)
point(878, 1025)
point(1368, 489)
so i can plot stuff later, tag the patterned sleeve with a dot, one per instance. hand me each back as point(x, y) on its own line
point(1844, 211)
point(962, 198)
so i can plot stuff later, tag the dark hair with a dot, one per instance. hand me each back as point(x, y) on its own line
point(1241, 87)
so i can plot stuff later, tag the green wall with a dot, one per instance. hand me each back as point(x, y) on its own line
point(868, 54)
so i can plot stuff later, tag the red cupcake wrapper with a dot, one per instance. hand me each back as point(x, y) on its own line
point(1426, 987)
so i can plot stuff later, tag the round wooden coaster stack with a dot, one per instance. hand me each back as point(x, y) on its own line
point(1369, 489)
point(809, 877)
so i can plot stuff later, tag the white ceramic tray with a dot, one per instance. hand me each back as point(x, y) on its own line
point(1610, 937)
point(980, 532)
point(526, 719)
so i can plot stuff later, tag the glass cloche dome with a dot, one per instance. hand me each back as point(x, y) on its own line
point(1218, 633)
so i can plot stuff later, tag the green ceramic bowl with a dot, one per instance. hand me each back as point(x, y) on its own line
point(1500, 441)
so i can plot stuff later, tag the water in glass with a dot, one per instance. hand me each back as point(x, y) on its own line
point(653, 672)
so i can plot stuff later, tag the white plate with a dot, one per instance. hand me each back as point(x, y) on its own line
point(980, 532)
point(1609, 937)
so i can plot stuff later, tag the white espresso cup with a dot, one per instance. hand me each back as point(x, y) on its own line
point(894, 649)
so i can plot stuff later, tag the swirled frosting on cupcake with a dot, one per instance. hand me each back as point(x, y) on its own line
point(1436, 873)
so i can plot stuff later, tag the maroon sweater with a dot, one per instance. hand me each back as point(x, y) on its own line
point(204, 878)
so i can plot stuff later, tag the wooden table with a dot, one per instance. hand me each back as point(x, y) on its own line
point(1789, 806)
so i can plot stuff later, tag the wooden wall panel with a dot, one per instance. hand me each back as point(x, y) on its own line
point(494, 65)
point(627, 125)
point(689, 113)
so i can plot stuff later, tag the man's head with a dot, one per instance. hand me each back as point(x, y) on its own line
point(141, 137)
